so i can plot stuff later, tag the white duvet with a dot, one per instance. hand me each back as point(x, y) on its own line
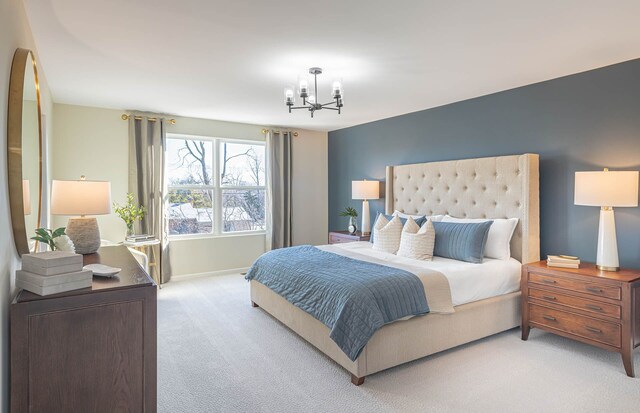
point(468, 282)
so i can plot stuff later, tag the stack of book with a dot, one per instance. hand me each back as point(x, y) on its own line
point(52, 272)
point(139, 238)
point(563, 261)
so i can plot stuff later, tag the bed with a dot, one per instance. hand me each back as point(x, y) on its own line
point(495, 187)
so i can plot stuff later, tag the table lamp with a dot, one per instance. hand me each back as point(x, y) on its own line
point(82, 198)
point(607, 189)
point(365, 190)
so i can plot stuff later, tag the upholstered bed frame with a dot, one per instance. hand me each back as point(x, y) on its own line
point(496, 187)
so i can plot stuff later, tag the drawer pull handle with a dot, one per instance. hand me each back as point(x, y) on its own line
point(549, 281)
point(548, 297)
point(593, 329)
point(548, 317)
point(595, 290)
point(593, 307)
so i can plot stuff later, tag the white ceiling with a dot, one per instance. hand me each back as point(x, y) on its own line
point(230, 60)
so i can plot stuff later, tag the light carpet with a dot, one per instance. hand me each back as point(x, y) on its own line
point(218, 354)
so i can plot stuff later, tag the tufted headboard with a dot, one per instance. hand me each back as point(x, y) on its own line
point(496, 187)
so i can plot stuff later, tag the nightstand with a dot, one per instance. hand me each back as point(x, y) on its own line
point(340, 237)
point(600, 308)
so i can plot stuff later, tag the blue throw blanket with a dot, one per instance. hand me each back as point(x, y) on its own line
point(353, 298)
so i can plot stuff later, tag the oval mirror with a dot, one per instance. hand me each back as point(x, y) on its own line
point(24, 147)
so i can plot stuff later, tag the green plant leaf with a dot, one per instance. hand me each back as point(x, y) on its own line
point(349, 212)
point(40, 239)
point(42, 232)
point(58, 232)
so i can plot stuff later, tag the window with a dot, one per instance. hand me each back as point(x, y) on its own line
point(214, 186)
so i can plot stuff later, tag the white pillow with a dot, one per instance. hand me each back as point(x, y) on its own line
point(417, 242)
point(434, 218)
point(499, 237)
point(386, 234)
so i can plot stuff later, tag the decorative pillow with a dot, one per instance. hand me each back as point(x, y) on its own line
point(387, 234)
point(499, 238)
point(417, 242)
point(461, 241)
point(420, 220)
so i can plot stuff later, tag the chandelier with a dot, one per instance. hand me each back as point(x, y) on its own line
point(309, 96)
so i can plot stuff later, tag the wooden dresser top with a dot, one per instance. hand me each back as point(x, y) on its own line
point(131, 276)
point(588, 269)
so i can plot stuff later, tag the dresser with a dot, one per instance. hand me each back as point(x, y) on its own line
point(596, 307)
point(89, 350)
point(340, 237)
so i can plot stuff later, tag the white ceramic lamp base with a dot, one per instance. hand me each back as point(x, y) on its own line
point(366, 223)
point(85, 234)
point(607, 244)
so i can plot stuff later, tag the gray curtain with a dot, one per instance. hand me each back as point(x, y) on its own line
point(278, 190)
point(147, 140)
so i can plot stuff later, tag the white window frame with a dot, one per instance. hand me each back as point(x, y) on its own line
point(216, 188)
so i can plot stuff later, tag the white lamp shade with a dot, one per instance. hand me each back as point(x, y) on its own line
point(26, 196)
point(80, 197)
point(365, 189)
point(607, 188)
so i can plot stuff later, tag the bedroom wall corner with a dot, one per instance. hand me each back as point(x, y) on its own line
point(14, 32)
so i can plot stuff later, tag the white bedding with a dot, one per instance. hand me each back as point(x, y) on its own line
point(469, 282)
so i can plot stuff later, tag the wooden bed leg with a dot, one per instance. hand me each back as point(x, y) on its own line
point(357, 380)
point(254, 304)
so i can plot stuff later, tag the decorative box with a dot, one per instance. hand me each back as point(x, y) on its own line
point(52, 262)
point(53, 284)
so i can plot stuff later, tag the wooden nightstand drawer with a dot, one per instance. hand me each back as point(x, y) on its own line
point(336, 239)
point(586, 287)
point(594, 307)
point(585, 327)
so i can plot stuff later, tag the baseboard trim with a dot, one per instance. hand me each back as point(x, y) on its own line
point(184, 277)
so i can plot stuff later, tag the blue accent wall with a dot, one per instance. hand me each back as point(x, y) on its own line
point(580, 122)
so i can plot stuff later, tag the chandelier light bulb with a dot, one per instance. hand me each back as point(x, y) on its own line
point(289, 96)
point(336, 89)
point(303, 87)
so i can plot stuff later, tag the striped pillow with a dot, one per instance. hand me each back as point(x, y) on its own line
point(417, 242)
point(461, 241)
point(387, 234)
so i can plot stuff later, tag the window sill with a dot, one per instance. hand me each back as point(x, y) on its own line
point(188, 237)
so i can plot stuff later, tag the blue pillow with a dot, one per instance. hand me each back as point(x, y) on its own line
point(461, 241)
point(418, 221)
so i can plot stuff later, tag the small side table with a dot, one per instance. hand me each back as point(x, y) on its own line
point(601, 308)
point(146, 247)
point(340, 237)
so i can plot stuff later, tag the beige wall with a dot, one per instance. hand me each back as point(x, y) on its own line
point(310, 188)
point(91, 142)
point(94, 142)
point(14, 33)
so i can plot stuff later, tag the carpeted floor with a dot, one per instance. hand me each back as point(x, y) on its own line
point(218, 354)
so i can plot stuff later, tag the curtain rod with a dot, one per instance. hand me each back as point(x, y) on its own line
point(126, 117)
point(294, 133)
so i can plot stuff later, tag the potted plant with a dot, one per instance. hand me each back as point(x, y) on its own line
point(352, 214)
point(55, 239)
point(129, 213)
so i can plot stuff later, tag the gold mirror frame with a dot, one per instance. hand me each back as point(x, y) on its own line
point(22, 59)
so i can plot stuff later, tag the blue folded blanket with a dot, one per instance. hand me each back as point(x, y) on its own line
point(353, 298)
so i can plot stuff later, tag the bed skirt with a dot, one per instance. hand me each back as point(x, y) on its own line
point(401, 341)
